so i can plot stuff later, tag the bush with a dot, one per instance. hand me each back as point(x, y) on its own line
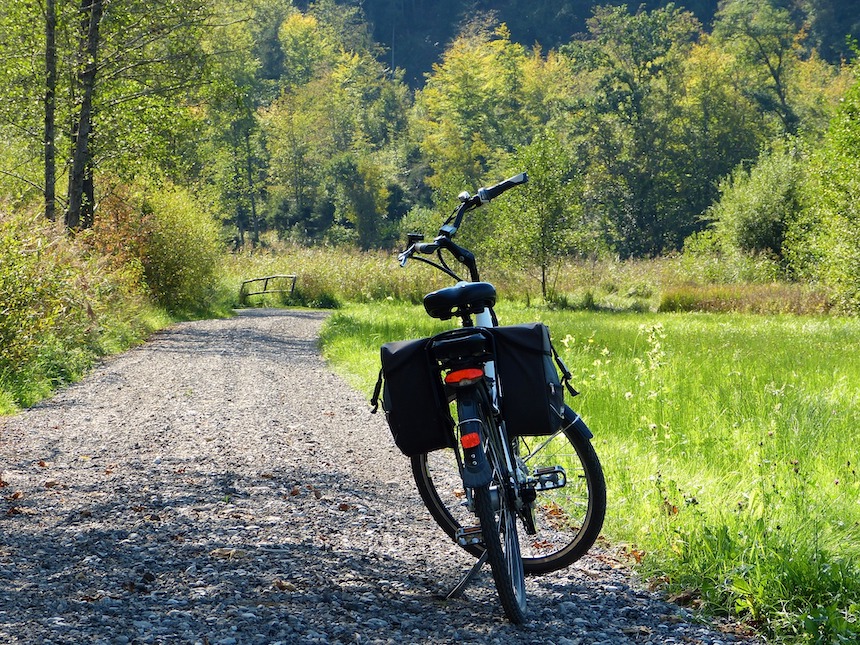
point(66, 300)
point(181, 251)
point(55, 297)
point(170, 238)
point(705, 259)
point(757, 205)
point(823, 244)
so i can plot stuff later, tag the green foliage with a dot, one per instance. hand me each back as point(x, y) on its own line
point(294, 121)
point(62, 306)
point(634, 155)
point(542, 222)
point(823, 243)
point(180, 250)
point(758, 205)
point(332, 134)
point(42, 297)
point(470, 112)
point(307, 49)
point(762, 37)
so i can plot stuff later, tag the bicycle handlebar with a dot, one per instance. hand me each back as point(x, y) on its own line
point(486, 194)
point(449, 229)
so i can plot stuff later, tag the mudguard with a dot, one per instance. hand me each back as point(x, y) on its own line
point(571, 418)
point(476, 468)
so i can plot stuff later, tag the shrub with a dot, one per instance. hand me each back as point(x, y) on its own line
point(47, 319)
point(182, 250)
point(708, 258)
point(823, 244)
point(169, 238)
point(757, 205)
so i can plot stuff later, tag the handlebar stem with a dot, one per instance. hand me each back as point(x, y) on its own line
point(463, 256)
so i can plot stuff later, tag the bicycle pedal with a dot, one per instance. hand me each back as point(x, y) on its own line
point(469, 535)
point(549, 478)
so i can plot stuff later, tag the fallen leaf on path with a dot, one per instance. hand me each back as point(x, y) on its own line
point(223, 552)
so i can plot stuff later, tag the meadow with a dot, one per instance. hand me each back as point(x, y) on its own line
point(727, 443)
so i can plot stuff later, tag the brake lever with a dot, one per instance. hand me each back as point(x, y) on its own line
point(403, 256)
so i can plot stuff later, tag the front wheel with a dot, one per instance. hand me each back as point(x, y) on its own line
point(568, 519)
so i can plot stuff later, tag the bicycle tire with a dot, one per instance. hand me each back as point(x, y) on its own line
point(503, 553)
point(568, 519)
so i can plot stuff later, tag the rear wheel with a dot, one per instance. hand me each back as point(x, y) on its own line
point(568, 519)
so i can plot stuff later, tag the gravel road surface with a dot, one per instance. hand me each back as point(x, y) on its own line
point(221, 485)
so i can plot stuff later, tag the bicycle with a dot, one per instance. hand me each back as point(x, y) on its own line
point(516, 454)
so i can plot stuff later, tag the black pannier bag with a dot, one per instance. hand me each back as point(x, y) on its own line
point(530, 390)
point(413, 398)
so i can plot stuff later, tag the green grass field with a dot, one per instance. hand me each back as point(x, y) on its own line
point(728, 446)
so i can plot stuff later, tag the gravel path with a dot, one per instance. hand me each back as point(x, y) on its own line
point(220, 485)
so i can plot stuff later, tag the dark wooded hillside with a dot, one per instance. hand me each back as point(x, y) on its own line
point(417, 32)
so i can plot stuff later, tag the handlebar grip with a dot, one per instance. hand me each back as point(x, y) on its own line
point(486, 194)
point(426, 247)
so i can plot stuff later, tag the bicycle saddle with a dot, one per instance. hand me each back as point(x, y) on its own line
point(464, 298)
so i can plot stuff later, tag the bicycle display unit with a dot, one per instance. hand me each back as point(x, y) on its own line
point(504, 466)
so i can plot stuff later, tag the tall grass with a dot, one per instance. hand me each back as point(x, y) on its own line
point(331, 276)
point(727, 442)
point(61, 307)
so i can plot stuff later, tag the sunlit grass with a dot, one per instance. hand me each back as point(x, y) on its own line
point(727, 443)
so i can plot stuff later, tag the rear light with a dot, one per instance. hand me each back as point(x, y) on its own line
point(468, 376)
point(470, 440)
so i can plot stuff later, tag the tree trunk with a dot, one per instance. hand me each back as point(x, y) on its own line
point(50, 108)
point(251, 187)
point(543, 281)
point(81, 173)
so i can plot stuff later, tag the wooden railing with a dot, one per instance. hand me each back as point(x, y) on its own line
point(279, 282)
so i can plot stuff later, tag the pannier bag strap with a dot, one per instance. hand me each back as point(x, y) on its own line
point(374, 401)
point(566, 376)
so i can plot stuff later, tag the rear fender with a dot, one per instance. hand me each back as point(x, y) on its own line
point(476, 468)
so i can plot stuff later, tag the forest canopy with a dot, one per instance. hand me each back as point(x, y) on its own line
point(330, 122)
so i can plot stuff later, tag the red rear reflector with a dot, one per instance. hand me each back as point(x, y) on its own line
point(464, 377)
point(470, 440)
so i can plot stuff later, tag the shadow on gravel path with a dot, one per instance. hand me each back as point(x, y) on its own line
point(220, 485)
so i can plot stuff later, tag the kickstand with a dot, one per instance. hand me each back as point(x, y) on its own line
point(457, 591)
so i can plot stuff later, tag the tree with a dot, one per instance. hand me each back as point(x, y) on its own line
point(543, 222)
point(469, 115)
point(330, 132)
point(758, 204)
point(822, 243)
point(635, 165)
point(110, 73)
point(80, 211)
point(24, 73)
point(50, 133)
point(719, 126)
point(763, 39)
point(233, 139)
